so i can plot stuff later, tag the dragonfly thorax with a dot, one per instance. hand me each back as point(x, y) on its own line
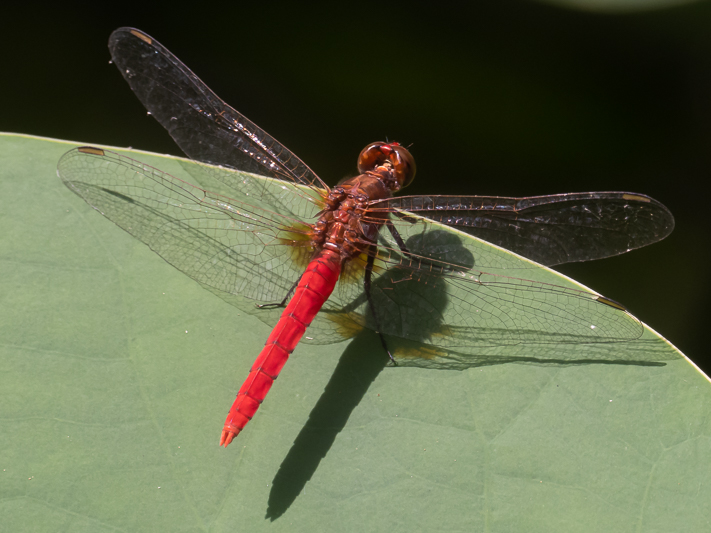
point(345, 226)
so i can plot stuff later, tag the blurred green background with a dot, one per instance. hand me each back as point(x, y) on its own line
point(498, 97)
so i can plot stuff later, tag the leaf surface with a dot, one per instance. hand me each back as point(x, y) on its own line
point(116, 372)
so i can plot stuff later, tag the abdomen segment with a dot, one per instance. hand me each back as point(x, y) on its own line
point(314, 288)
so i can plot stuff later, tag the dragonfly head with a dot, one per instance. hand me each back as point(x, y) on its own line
point(390, 161)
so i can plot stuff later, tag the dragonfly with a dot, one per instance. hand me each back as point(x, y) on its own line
point(265, 233)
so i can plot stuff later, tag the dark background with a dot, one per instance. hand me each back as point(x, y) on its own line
point(498, 97)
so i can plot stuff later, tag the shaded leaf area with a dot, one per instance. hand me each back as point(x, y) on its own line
point(116, 372)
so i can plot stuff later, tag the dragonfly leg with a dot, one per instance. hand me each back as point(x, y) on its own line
point(398, 239)
point(283, 303)
point(372, 251)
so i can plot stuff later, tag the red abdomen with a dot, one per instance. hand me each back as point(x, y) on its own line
point(314, 288)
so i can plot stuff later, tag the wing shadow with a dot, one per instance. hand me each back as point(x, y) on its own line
point(360, 365)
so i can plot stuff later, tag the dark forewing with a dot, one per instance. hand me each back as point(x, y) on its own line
point(550, 230)
point(204, 126)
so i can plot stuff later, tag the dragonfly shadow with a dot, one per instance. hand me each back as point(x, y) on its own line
point(358, 367)
point(641, 352)
point(435, 321)
point(364, 359)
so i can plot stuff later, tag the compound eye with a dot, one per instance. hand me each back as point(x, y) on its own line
point(403, 164)
point(372, 156)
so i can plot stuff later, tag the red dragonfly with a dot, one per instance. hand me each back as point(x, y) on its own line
point(273, 232)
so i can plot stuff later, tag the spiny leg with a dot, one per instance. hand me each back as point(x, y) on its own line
point(398, 239)
point(372, 251)
point(288, 296)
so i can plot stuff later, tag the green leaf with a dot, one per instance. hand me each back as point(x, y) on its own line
point(116, 373)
